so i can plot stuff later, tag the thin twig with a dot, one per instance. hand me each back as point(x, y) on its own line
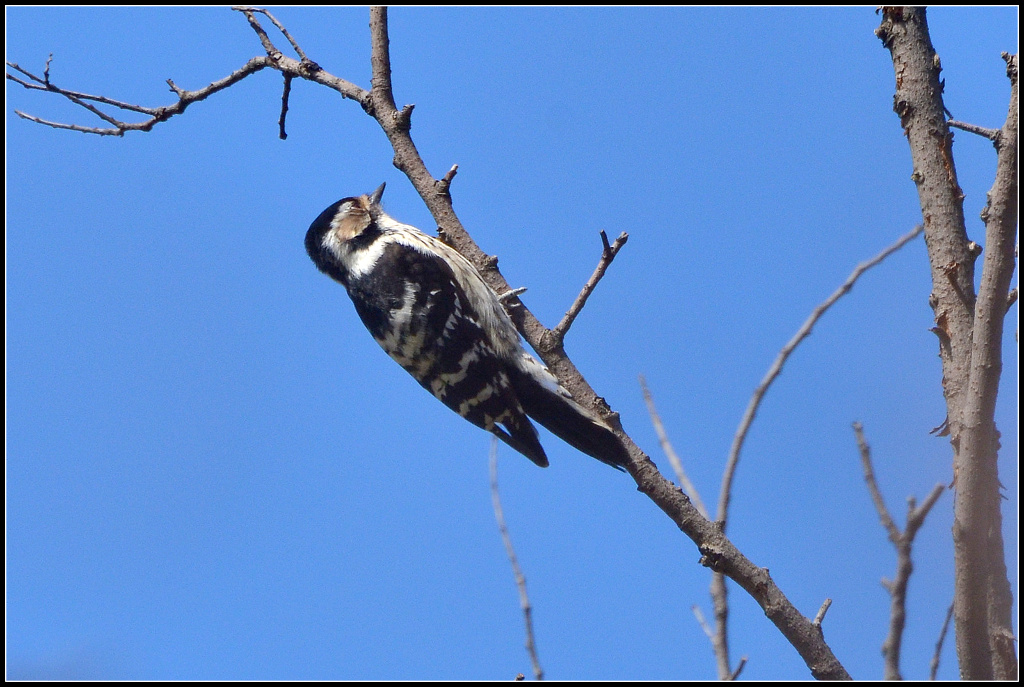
point(739, 669)
point(666, 446)
point(280, 27)
point(876, 494)
point(265, 41)
point(991, 134)
point(903, 542)
point(524, 599)
point(608, 254)
point(702, 622)
point(284, 105)
point(719, 591)
point(934, 666)
point(44, 84)
point(776, 368)
point(158, 114)
point(305, 69)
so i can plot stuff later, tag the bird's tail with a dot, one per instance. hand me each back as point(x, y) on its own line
point(549, 404)
point(522, 436)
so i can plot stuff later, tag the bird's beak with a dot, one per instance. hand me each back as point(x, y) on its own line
point(375, 196)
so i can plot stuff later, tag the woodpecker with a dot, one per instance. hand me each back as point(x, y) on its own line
point(430, 310)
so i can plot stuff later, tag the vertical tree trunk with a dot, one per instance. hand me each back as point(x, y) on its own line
point(970, 331)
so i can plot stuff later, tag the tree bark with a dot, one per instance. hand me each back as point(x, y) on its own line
point(969, 329)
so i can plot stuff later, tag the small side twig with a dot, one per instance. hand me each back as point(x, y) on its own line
point(990, 134)
point(444, 184)
point(739, 669)
point(820, 617)
point(512, 293)
point(608, 254)
point(776, 368)
point(933, 670)
point(903, 541)
point(279, 25)
point(284, 106)
point(524, 599)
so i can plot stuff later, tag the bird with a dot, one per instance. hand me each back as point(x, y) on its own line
point(432, 312)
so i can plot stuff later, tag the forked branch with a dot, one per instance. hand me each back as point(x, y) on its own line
point(903, 542)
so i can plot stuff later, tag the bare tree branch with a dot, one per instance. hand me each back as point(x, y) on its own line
point(739, 669)
point(157, 114)
point(776, 368)
point(970, 330)
point(978, 505)
point(608, 254)
point(305, 69)
point(991, 134)
point(280, 27)
point(903, 541)
point(524, 599)
point(284, 106)
point(933, 669)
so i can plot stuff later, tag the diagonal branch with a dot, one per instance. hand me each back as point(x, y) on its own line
point(776, 368)
point(607, 255)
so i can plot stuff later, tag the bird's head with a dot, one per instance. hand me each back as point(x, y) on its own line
point(328, 240)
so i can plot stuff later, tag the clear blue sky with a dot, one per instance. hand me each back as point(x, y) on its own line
point(214, 472)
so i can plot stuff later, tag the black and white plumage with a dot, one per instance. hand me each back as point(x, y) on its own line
point(428, 308)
